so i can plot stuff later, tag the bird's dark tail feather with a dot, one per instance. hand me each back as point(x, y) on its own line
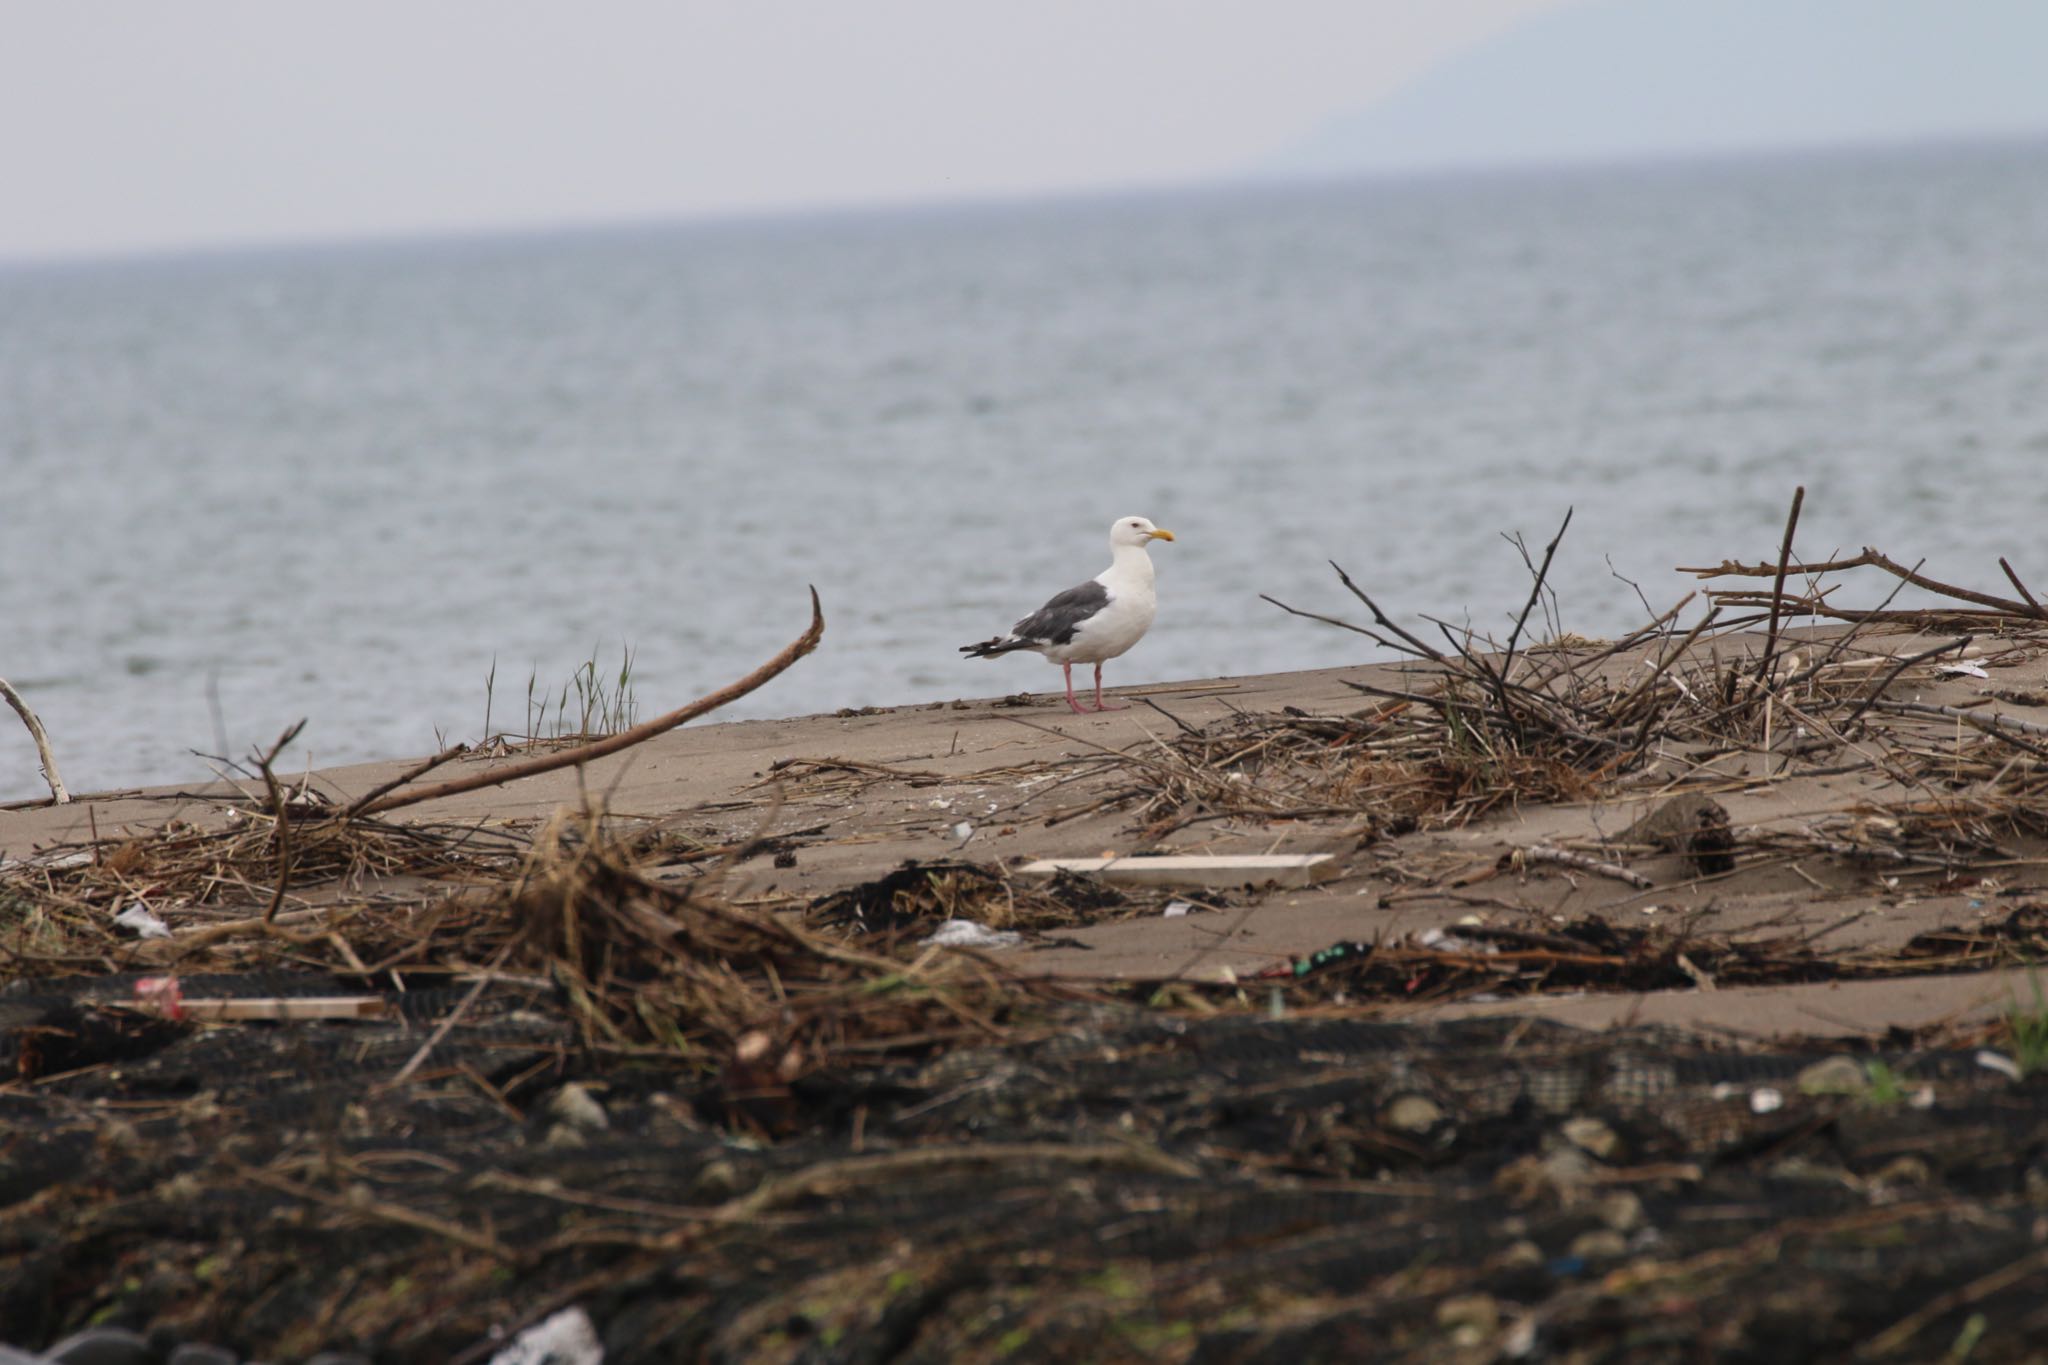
point(988, 649)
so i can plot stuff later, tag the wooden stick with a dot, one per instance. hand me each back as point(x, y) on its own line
point(1380, 618)
point(1543, 853)
point(287, 1007)
point(1763, 667)
point(1728, 568)
point(1345, 625)
point(42, 739)
point(441, 1031)
point(625, 739)
point(284, 820)
point(1535, 592)
point(417, 770)
point(1197, 869)
point(2014, 579)
point(1917, 708)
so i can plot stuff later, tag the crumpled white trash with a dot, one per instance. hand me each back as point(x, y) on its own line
point(567, 1338)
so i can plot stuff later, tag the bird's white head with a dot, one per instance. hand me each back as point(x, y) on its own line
point(1136, 531)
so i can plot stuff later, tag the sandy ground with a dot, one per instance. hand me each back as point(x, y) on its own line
point(916, 778)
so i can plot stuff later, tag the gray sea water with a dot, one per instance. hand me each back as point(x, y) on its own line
point(338, 483)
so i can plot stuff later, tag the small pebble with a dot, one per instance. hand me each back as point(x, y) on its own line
point(1591, 1135)
point(1411, 1114)
point(573, 1104)
point(192, 1353)
point(1601, 1244)
point(1836, 1075)
point(101, 1346)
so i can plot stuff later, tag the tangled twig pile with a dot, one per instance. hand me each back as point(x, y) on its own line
point(1480, 724)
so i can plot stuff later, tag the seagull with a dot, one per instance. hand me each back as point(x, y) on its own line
point(1096, 621)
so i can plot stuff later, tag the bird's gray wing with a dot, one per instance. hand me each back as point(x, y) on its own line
point(1056, 621)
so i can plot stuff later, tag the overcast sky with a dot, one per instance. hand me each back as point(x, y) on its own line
point(138, 124)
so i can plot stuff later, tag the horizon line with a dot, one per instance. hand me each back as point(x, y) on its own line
point(1506, 165)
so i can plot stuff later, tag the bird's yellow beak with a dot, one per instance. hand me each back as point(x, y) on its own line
point(1159, 533)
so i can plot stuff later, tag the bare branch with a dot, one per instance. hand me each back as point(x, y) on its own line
point(1763, 666)
point(1535, 592)
point(625, 739)
point(42, 739)
point(1729, 568)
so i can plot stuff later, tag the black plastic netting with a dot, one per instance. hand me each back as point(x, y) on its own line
point(1130, 1186)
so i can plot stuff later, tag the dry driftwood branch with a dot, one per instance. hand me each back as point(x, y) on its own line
point(284, 819)
point(1381, 619)
point(625, 739)
point(1543, 853)
point(1729, 568)
point(417, 770)
point(1507, 665)
point(1763, 667)
point(2014, 579)
point(433, 1039)
point(42, 739)
point(1535, 589)
point(1330, 621)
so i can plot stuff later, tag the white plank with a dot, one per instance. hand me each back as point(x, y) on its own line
point(1197, 869)
point(289, 1007)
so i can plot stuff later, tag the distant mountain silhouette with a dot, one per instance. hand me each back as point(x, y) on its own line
point(1641, 78)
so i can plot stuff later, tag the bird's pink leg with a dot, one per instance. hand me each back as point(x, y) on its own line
point(1100, 704)
point(1068, 669)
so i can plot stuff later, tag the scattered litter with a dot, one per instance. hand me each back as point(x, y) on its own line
point(162, 994)
point(53, 862)
point(1175, 909)
point(1999, 1062)
point(567, 1338)
point(963, 830)
point(1196, 869)
point(1765, 1100)
point(1961, 670)
point(965, 933)
point(138, 918)
point(1444, 942)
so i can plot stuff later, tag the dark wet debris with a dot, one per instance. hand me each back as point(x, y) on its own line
point(1115, 1183)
